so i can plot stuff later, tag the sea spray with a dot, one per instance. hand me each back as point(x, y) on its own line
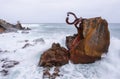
point(107, 67)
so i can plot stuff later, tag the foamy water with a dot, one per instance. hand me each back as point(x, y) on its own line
point(107, 68)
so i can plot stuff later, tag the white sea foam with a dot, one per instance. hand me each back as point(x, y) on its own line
point(107, 68)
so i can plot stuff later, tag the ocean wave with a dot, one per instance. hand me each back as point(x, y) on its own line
point(107, 67)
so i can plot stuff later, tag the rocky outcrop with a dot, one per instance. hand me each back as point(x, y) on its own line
point(55, 56)
point(95, 41)
point(7, 27)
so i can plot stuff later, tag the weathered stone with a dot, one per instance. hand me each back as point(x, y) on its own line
point(55, 56)
point(96, 41)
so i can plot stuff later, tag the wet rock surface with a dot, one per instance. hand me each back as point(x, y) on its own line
point(55, 56)
point(48, 75)
point(95, 42)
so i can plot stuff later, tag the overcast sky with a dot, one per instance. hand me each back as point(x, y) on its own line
point(54, 11)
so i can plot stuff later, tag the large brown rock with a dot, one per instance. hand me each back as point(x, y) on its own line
point(55, 56)
point(96, 41)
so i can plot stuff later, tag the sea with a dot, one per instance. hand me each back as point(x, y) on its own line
point(40, 38)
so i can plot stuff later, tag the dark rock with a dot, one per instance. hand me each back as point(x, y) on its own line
point(7, 27)
point(27, 45)
point(56, 73)
point(95, 42)
point(6, 65)
point(46, 74)
point(9, 64)
point(4, 72)
point(3, 51)
point(27, 28)
point(39, 40)
point(26, 40)
point(55, 56)
point(2, 29)
point(18, 26)
point(25, 32)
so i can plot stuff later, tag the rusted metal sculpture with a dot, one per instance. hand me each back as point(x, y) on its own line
point(78, 24)
point(92, 40)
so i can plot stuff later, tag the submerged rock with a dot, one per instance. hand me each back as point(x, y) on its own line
point(48, 75)
point(95, 41)
point(6, 65)
point(55, 56)
point(4, 72)
point(9, 64)
point(39, 40)
point(27, 45)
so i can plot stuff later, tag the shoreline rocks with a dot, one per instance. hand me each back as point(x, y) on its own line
point(86, 47)
point(7, 27)
point(95, 42)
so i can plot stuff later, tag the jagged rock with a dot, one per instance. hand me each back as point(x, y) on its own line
point(55, 56)
point(7, 27)
point(95, 42)
point(18, 26)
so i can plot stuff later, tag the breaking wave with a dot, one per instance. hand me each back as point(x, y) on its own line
point(107, 68)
